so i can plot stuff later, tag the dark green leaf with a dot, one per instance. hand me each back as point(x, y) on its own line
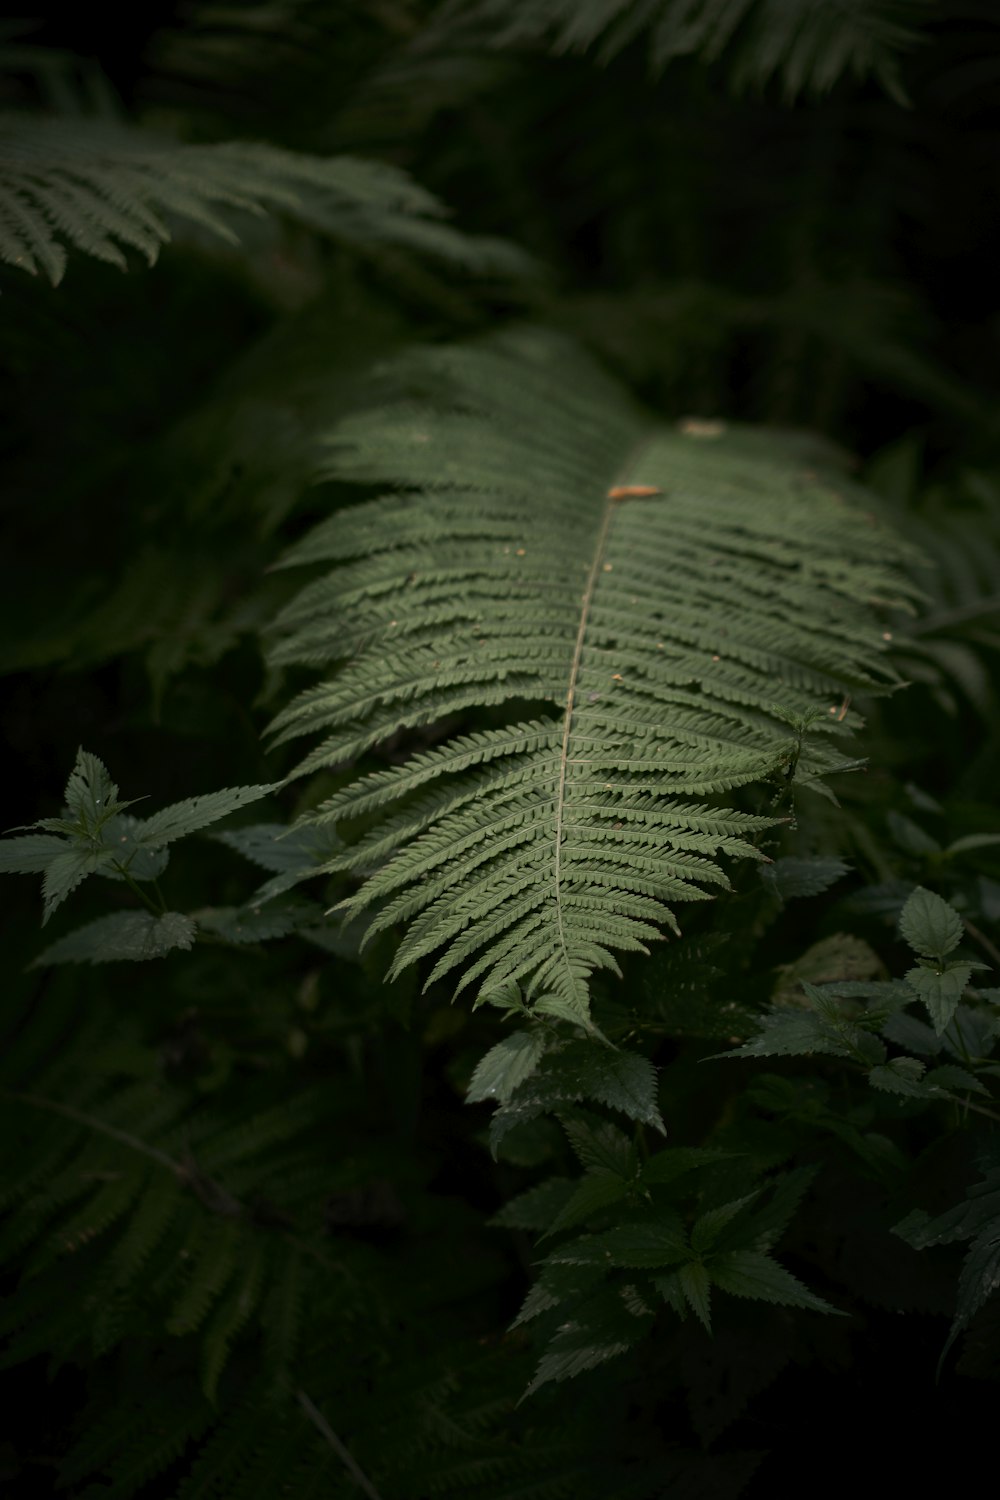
point(790, 878)
point(930, 926)
point(195, 813)
point(696, 1285)
point(747, 1273)
point(940, 990)
point(30, 854)
point(792, 1033)
point(709, 1226)
point(125, 935)
point(639, 1246)
point(577, 1070)
point(67, 870)
point(507, 1065)
point(597, 1190)
point(604, 1327)
point(259, 922)
point(602, 1145)
point(903, 1075)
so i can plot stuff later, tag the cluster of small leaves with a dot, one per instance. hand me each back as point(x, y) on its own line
point(95, 834)
point(847, 1019)
point(597, 1294)
point(976, 1220)
point(134, 1210)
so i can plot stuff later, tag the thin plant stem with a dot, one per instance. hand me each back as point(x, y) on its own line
point(350, 1463)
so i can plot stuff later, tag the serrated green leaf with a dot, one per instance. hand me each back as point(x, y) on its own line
point(709, 1226)
point(597, 1190)
point(769, 1223)
point(575, 1070)
point(90, 792)
point(903, 1075)
point(644, 1245)
point(795, 877)
point(670, 1289)
point(195, 813)
point(601, 1145)
point(30, 854)
point(130, 936)
point(960, 1079)
point(258, 922)
point(675, 1161)
point(67, 870)
point(929, 925)
point(507, 1065)
point(557, 1285)
point(291, 854)
point(940, 990)
point(977, 1212)
point(979, 1279)
point(696, 1285)
point(788, 1033)
point(607, 1325)
point(748, 1273)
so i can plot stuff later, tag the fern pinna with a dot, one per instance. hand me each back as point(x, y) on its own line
point(658, 602)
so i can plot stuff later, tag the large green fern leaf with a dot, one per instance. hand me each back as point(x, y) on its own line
point(104, 188)
point(808, 46)
point(658, 601)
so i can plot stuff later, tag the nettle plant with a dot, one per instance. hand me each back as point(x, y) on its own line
point(656, 621)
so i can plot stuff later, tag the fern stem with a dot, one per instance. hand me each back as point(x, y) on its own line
point(574, 673)
point(610, 504)
point(322, 1426)
point(92, 1123)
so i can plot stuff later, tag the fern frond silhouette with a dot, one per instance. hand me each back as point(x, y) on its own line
point(106, 188)
point(140, 1211)
point(676, 596)
point(809, 47)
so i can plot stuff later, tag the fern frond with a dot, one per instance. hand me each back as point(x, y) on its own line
point(808, 46)
point(675, 596)
point(104, 189)
point(118, 1216)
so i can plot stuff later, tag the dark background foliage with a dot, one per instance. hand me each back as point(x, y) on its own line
point(826, 261)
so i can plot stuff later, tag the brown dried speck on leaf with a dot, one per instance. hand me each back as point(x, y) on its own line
point(701, 427)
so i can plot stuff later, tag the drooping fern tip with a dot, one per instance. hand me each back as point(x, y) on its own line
point(641, 609)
